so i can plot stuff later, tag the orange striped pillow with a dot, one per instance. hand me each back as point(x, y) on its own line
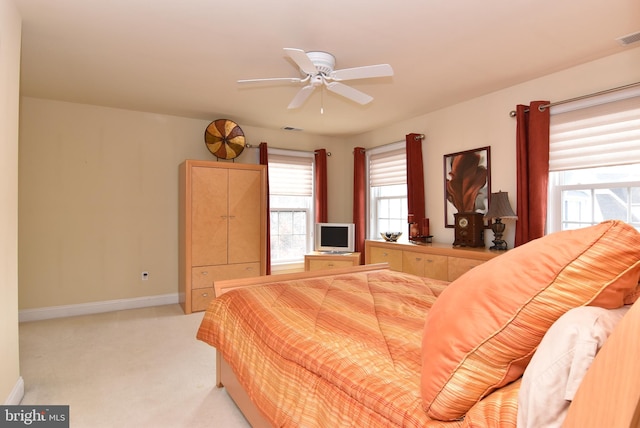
point(481, 332)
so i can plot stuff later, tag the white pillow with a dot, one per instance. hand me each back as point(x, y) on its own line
point(564, 355)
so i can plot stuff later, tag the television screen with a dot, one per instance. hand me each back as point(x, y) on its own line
point(335, 237)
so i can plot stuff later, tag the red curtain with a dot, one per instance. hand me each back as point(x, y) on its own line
point(415, 179)
point(532, 157)
point(320, 178)
point(265, 161)
point(359, 199)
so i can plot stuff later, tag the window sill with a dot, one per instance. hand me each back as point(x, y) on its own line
point(287, 268)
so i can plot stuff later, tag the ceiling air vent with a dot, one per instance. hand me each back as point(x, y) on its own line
point(291, 128)
point(629, 38)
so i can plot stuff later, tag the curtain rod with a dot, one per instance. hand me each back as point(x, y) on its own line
point(251, 146)
point(512, 113)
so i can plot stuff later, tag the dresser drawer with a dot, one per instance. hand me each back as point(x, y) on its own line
point(386, 255)
point(458, 266)
point(329, 264)
point(424, 264)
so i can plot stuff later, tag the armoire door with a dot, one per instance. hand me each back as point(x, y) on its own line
point(209, 216)
point(245, 205)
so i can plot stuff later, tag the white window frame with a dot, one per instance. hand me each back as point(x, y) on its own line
point(556, 219)
point(309, 211)
point(624, 150)
point(372, 203)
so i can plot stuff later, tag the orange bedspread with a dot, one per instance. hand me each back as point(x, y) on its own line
point(332, 351)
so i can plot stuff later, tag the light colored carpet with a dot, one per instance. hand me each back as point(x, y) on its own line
point(134, 368)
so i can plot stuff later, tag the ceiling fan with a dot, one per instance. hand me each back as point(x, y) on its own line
point(317, 68)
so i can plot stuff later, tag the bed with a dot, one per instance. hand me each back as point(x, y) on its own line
point(368, 346)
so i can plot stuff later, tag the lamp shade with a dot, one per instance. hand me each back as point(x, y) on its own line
point(499, 206)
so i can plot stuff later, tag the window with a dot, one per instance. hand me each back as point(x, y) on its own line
point(594, 163)
point(291, 205)
point(387, 199)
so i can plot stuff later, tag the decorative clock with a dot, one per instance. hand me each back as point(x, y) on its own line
point(469, 229)
point(224, 139)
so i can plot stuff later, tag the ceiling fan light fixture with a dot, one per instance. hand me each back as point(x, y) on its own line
point(324, 61)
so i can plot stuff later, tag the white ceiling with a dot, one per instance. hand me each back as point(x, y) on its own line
point(183, 57)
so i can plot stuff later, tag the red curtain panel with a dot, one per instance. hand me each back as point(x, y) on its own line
point(359, 199)
point(532, 157)
point(264, 160)
point(415, 179)
point(320, 176)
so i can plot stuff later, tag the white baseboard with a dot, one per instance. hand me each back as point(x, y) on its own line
point(50, 312)
point(17, 393)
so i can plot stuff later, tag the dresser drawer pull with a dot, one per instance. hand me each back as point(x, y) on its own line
point(204, 273)
point(205, 294)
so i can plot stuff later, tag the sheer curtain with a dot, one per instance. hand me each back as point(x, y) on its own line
point(532, 157)
point(320, 179)
point(359, 199)
point(264, 160)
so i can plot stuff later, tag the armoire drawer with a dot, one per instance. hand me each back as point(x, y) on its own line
point(200, 298)
point(203, 276)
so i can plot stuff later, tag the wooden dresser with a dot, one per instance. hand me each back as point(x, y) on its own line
point(222, 232)
point(320, 261)
point(438, 261)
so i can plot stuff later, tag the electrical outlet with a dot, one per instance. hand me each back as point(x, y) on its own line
point(145, 276)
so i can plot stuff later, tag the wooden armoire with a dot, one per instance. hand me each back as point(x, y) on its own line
point(222, 232)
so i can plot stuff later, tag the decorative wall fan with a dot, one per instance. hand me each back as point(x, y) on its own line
point(224, 139)
point(317, 69)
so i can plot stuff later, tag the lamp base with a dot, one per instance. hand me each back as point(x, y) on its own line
point(498, 242)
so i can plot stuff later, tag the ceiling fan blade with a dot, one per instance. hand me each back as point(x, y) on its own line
point(368, 71)
point(349, 92)
point(301, 96)
point(302, 60)
point(273, 79)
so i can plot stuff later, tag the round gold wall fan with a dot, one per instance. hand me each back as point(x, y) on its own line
point(224, 139)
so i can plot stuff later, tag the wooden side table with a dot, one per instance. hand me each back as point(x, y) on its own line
point(321, 261)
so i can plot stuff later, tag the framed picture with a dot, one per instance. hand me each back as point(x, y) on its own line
point(467, 182)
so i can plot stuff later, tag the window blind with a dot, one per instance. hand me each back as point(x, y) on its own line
point(290, 175)
point(598, 135)
point(388, 168)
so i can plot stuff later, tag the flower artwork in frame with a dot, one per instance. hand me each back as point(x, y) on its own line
point(467, 183)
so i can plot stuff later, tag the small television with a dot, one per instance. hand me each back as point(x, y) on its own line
point(335, 237)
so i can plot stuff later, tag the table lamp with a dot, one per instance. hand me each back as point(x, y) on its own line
point(499, 208)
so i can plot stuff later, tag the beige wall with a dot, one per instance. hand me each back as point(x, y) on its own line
point(98, 186)
point(98, 198)
point(485, 121)
point(10, 27)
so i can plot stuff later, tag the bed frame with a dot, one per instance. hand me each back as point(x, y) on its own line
point(608, 396)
